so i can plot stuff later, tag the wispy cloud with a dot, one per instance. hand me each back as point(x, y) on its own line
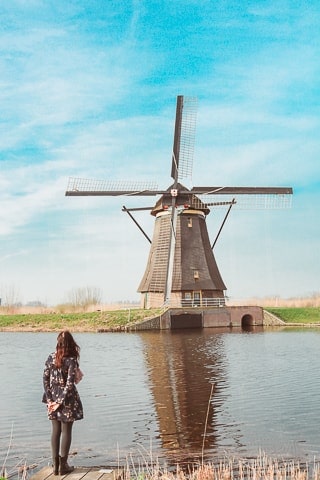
point(13, 254)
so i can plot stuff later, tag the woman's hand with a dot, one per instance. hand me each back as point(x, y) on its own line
point(53, 406)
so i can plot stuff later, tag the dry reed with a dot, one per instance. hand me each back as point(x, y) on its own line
point(312, 300)
point(19, 470)
point(260, 468)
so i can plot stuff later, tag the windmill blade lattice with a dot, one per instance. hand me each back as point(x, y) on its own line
point(184, 138)
point(91, 187)
point(246, 202)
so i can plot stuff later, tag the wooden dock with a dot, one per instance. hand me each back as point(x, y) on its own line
point(81, 473)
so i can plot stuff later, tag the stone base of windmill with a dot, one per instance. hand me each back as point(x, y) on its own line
point(208, 317)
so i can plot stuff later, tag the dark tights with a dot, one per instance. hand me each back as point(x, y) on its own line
point(63, 431)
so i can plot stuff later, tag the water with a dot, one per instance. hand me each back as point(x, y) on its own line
point(172, 395)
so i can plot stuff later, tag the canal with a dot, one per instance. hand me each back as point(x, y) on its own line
point(177, 396)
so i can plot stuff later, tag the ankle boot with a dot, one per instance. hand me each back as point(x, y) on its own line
point(55, 466)
point(64, 467)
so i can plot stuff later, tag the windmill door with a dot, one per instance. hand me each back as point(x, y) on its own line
point(197, 299)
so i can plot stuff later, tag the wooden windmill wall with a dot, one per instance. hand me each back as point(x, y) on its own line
point(195, 273)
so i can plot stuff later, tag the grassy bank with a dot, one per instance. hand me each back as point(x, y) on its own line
point(77, 322)
point(296, 315)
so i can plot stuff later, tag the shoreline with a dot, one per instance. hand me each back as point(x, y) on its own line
point(124, 320)
point(122, 329)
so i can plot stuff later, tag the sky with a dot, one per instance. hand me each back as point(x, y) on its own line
point(88, 89)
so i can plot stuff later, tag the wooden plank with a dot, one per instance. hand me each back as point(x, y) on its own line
point(93, 474)
point(115, 474)
point(43, 474)
point(77, 473)
point(46, 473)
point(80, 473)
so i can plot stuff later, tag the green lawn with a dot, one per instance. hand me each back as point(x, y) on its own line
point(296, 315)
point(76, 321)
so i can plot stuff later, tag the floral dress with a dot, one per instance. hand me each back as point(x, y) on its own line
point(59, 387)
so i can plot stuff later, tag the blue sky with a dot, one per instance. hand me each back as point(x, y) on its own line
point(88, 89)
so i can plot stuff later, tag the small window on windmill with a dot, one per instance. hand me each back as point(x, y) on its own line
point(196, 274)
point(189, 222)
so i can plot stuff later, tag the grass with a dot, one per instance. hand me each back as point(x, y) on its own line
point(296, 315)
point(90, 321)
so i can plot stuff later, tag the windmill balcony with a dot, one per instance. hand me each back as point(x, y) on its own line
point(195, 303)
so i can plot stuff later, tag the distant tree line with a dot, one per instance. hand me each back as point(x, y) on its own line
point(78, 298)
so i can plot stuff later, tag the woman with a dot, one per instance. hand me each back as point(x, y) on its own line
point(62, 398)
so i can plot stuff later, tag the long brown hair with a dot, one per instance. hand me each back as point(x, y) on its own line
point(66, 347)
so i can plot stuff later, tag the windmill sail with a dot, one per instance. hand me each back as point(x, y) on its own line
point(181, 267)
point(182, 159)
point(184, 138)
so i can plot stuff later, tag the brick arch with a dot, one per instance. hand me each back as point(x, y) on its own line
point(247, 320)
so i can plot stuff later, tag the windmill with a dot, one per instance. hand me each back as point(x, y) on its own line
point(181, 269)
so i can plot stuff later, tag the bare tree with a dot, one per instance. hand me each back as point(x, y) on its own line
point(84, 297)
point(10, 297)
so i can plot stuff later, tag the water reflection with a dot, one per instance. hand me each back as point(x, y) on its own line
point(187, 371)
point(181, 387)
point(253, 404)
point(152, 391)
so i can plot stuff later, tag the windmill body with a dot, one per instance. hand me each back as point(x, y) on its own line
point(195, 275)
point(181, 268)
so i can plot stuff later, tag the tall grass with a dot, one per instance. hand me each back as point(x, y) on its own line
point(309, 301)
point(260, 468)
point(147, 467)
